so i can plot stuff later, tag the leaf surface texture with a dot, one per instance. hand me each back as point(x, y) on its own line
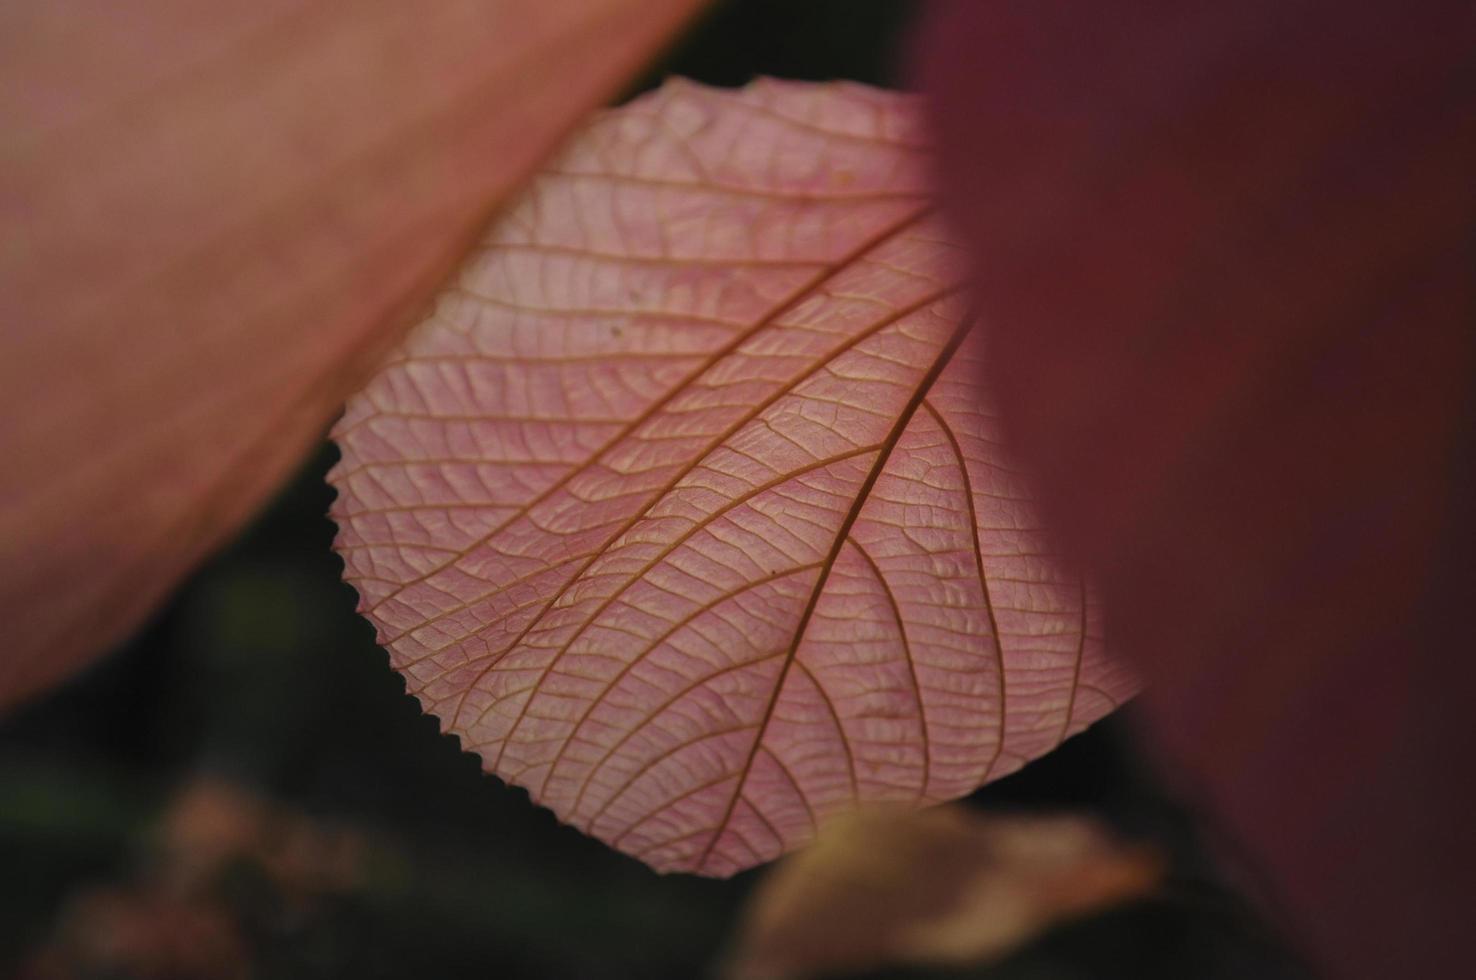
point(685, 510)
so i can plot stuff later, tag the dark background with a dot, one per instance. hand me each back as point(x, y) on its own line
point(260, 673)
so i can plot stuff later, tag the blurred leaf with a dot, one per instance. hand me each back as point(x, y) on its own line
point(177, 918)
point(1227, 252)
point(220, 216)
point(141, 935)
point(946, 886)
point(213, 823)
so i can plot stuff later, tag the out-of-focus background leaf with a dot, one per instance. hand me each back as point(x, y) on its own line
point(218, 218)
point(1227, 256)
point(244, 787)
point(949, 886)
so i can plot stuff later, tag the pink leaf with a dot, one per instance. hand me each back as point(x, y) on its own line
point(683, 509)
point(218, 219)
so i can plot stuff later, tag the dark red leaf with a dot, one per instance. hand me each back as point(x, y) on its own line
point(1226, 250)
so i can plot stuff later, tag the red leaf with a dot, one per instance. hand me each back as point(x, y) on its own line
point(683, 509)
point(218, 218)
point(1227, 253)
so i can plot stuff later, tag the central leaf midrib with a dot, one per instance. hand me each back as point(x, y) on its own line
point(904, 419)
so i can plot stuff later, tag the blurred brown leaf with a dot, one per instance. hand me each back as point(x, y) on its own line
point(218, 217)
point(214, 824)
point(175, 916)
point(125, 932)
point(939, 887)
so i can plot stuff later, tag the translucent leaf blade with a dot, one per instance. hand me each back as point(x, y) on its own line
point(684, 509)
